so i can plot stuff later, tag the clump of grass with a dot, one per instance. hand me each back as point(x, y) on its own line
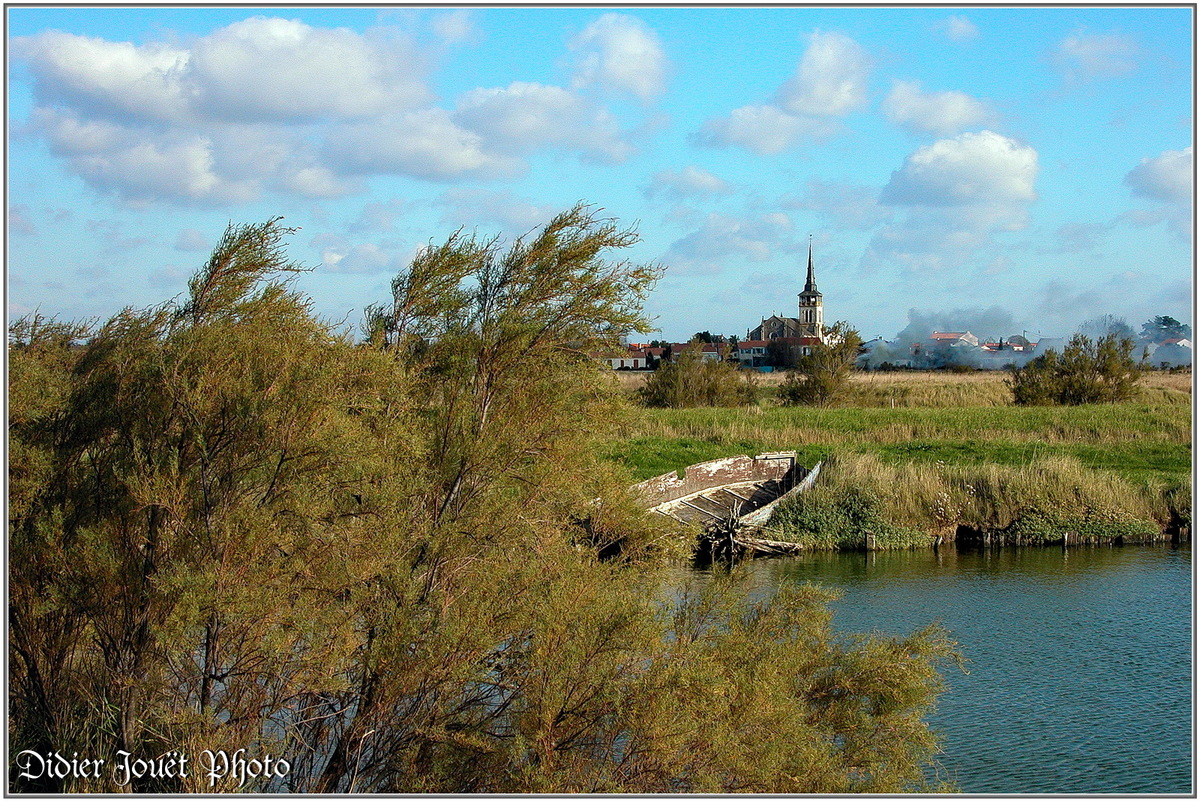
point(841, 518)
point(1035, 504)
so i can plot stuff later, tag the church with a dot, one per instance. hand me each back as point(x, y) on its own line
point(804, 331)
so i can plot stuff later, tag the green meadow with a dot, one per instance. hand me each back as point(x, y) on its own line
point(945, 435)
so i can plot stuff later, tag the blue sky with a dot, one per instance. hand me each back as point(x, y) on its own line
point(999, 169)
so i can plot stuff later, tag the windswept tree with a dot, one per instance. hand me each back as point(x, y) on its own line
point(398, 564)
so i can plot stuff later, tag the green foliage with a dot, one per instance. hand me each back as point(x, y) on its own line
point(1087, 372)
point(1038, 527)
point(382, 562)
point(840, 517)
point(693, 381)
point(823, 374)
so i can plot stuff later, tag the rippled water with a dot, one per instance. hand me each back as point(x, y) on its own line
point(1080, 660)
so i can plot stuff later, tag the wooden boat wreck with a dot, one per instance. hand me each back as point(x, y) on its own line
point(731, 499)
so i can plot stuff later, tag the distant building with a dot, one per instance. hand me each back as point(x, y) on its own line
point(953, 338)
point(803, 331)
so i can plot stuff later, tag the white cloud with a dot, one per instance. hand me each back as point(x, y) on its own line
point(958, 29)
point(1167, 177)
point(721, 241)
point(690, 182)
point(525, 117)
point(940, 113)
point(114, 79)
point(765, 130)
point(379, 216)
point(112, 158)
point(981, 168)
point(339, 255)
point(276, 69)
point(1084, 56)
point(425, 143)
point(956, 194)
point(455, 26)
point(619, 52)
point(831, 80)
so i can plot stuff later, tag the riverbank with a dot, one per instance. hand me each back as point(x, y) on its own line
point(950, 463)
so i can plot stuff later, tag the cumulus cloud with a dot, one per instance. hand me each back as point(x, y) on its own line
point(455, 26)
point(722, 241)
point(621, 53)
point(1084, 56)
point(281, 70)
point(379, 216)
point(339, 255)
point(690, 182)
point(1166, 179)
point(958, 29)
point(765, 130)
point(830, 83)
point(270, 104)
point(955, 194)
point(111, 79)
point(175, 164)
point(940, 113)
point(427, 143)
point(831, 80)
point(981, 168)
point(1078, 237)
point(525, 117)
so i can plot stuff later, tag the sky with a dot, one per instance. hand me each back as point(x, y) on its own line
point(1005, 170)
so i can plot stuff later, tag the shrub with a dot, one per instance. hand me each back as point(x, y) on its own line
point(841, 518)
point(823, 374)
point(693, 381)
point(1087, 372)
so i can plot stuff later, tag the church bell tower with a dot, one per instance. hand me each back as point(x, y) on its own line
point(812, 308)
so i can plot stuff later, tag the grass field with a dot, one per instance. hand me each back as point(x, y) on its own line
point(948, 431)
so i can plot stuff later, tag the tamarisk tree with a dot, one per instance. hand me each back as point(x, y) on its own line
point(398, 565)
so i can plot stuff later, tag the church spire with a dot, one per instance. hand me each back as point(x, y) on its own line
point(811, 284)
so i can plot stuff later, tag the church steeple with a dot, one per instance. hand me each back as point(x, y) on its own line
point(810, 285)
point(812, 307)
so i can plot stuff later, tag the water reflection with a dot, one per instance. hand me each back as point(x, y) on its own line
point(1080, 658)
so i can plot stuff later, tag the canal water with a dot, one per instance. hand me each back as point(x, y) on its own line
point(1080, 659)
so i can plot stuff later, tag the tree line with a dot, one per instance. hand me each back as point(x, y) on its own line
point(394, 562)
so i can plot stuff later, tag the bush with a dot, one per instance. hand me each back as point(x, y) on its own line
point(841, 518)
point(1087, 372)
point(693, 381)
point(823, 374)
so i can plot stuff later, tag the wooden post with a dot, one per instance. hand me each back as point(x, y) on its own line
point(870, 541)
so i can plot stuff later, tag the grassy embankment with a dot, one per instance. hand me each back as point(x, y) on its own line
point(916, 456)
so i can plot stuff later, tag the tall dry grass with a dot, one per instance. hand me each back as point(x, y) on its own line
point(902, 389)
